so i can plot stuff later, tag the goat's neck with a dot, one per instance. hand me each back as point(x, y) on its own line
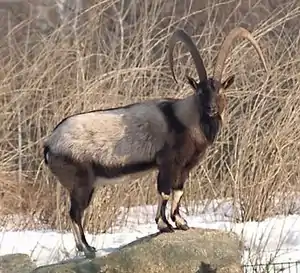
point(187, 111)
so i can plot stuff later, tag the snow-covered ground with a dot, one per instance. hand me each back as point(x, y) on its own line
point(276, 239)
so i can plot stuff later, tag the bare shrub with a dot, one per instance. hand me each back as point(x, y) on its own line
point(118, 56)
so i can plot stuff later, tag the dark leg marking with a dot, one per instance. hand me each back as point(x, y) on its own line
point(80, 200)
point(164, 181)
point(75, 214)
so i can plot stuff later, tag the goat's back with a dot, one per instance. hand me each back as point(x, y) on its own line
point(111, 137)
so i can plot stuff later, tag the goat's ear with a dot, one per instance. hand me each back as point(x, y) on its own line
point(192, 82)
point(228, 82)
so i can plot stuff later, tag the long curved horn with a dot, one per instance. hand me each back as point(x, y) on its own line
point(225, 47)
point(180, 35)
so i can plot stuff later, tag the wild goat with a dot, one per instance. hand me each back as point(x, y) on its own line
point(121, 144)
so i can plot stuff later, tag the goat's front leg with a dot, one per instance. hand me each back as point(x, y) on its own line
point(177, 193)
point(164, 183)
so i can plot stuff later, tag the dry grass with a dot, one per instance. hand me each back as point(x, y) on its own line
point(118, 57)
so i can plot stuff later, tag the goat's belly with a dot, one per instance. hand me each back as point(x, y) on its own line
point(101, 181)
point(124, 174)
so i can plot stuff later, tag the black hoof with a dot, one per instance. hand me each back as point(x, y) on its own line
point(90, 255)
point(182, 227)
point(167, 229)
point(180, 223)
point(90, 252)
point(163, 226)
point(92, 249)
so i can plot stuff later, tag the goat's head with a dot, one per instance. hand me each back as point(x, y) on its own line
point(211, 90)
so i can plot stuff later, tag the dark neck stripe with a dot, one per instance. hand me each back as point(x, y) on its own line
point(173, 122)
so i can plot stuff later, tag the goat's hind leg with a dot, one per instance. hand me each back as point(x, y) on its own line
point(80, 199)
point(78, 180)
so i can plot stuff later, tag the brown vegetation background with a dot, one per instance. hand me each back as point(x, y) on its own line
point(117, 55)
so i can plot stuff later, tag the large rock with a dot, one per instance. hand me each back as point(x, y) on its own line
point(16, 263)
point(192, 251)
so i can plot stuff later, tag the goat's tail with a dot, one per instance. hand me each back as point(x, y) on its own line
point(46, 154)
